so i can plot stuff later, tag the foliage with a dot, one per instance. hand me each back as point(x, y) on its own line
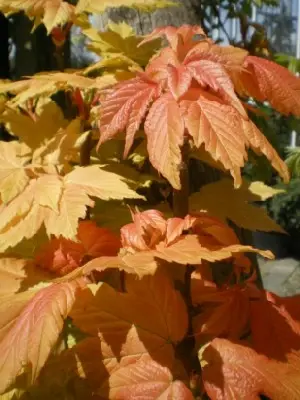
point(284, 207)
point(128, 310)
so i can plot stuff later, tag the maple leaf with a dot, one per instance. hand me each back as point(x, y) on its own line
point(52, 13)
point(93, 6)
point(145, 378)
point(142, 316)
point(30, 331)
point(62, 256)
point(215, 124)
point(149, 240)
point(58, 202)
point(164, 129)
point(126, 106)
point(96, 362)
point(224, 313)
point(13, 177)
point(235, 371)
point(18, 275)
point(278, 336)
point(193, 82)
point(34, 132)
point(267, 81)
point(223, 201)
point(120, 40)
point(46, 84)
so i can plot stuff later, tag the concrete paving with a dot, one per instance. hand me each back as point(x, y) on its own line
point(281, 276)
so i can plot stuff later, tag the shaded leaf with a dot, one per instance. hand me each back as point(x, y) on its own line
point(17, 274)
point(35, 132)
point(224, 313)
point(62, 256)
point(138, 322)
point(222, 200)
point(275, 326)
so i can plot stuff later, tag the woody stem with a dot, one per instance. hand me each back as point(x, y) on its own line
point(181, 196)
point(185, 349)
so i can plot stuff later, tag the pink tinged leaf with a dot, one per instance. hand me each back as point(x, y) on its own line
point(216, 125)
point(116, 107)
point(274, 83)
point(139, 107)
point(157, 68)
point(33, 333)
point(179, 80)
point(164, 128)
point(209, 73)
point(148, 228)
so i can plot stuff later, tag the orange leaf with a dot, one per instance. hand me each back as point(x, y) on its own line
point(62, 256)
point(215, 125)
point(179, 80)
point(189, 250)
point(137, 322)
point(145, 379)
point(125, 106)
point(140, 264)
point(164, 128)
point(31, 334)
point(150, 238)
point(224, 313)
point(148, 229)
point(268, 81)
point(209, 73)
point(275, 325)
point(235, 371)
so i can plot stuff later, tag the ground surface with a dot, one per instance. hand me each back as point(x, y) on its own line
point(281, 276)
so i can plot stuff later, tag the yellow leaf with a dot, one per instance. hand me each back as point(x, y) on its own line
point(120, 40)
point(51, 13)
point(263, 191)
point(100, 183)
point(72, 206)
point(60, 149)
point(13, 177)
point(34, 133)
point(58, 203)
point(222, 200)
point(116, 65)
point(48, 191)
point(17, 275)
point(46, 84)
point(94, 6)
